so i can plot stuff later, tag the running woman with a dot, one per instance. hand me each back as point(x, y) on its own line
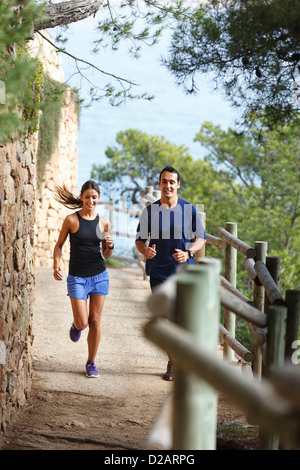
point(89, 235)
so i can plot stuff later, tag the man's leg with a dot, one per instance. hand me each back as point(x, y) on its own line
point(169, 374)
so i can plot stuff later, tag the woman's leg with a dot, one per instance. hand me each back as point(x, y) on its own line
point(80, 313)
point(94, 335)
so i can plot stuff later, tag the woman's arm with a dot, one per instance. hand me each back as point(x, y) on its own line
point(58, 248)
point(108, 241)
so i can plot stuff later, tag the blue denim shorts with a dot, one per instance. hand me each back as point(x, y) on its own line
point(82, 287)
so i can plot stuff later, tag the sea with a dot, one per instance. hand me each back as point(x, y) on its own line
point(173, 114)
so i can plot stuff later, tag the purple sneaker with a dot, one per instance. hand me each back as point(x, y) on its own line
point(91, 370)
point(74, 333)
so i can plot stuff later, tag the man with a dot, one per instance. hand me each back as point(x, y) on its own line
point(175, 232)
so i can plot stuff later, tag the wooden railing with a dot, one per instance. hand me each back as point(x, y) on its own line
point(191, 301)
point(273, 323)
point(264, 271)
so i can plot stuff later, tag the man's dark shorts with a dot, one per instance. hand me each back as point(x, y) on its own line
point(154, 282)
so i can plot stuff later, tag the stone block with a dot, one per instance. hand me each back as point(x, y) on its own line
point(9, 225)
point(41, 219)
point(19, 258)
point(53, 223)
point(43, 236)
point(29, 194)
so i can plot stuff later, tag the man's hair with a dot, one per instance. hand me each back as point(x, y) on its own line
point(170, 169)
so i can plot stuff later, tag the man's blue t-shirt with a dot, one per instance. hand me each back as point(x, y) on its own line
point(168, 229)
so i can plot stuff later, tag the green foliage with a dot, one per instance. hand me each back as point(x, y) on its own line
point(236, 432)
point(249, 180)
point(135, 25)
point(32, 98)
point(49, 123)
point(17, 70)
point(264, 188)
point(136, 162)
point(245, 179)
point(252, 49)
point(114, 263)
point(29, 102)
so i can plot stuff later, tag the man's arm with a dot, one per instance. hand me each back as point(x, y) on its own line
point(197, 245)
point(183, 256)
point(148, 251)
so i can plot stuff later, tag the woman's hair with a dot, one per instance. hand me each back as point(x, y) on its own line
point(68, 199)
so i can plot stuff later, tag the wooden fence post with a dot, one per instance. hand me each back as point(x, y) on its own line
point(201, 253)
point(275, 412)
point(274, 358)
point(112, 215)
point(259, 291)
point(273, 266)
point(149, 189)
point(230, 275)
point(195, 401)
point(157, 193)
point(258, 299)
point(276, 336)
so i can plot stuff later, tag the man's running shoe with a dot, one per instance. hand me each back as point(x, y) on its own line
point(169, 375)
point(74, 333)
point(91, 370)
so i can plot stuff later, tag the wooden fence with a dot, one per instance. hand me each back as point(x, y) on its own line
point(273, 324)
point(269, 387)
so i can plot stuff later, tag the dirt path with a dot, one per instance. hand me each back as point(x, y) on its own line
point(66, 410)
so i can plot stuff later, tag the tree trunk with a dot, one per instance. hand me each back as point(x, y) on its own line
point(68, 12)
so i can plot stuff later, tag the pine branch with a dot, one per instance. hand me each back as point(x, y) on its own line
point(87, 63)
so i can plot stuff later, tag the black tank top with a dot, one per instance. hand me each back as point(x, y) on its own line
point(85, 255)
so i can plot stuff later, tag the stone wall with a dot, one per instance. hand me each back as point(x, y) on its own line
point(30, 221)
point(17, 216)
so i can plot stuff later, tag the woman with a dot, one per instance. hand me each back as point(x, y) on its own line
point(87, 271)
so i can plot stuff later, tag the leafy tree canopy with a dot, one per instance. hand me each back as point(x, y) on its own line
point(137, 161)
point(264, 180)
point(127, 22)
point(252, 49)
point(254, 183)
point(20, 85)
